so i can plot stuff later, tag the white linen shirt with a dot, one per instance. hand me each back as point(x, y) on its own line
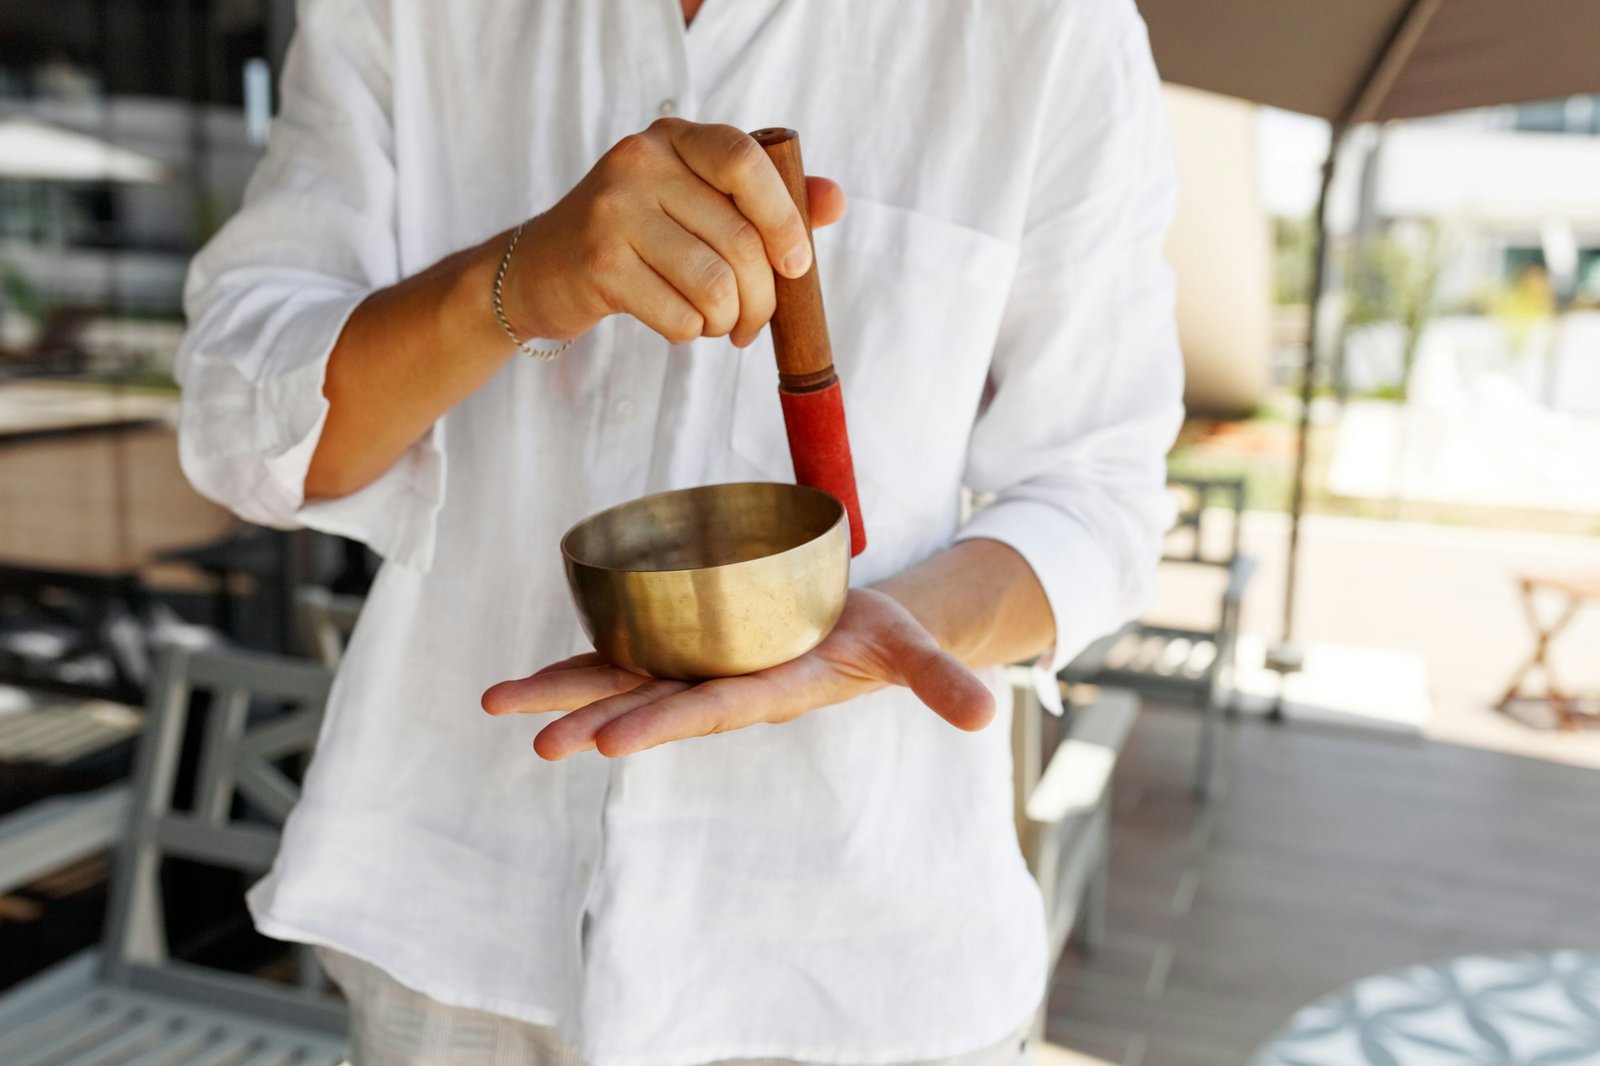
point(843, 888)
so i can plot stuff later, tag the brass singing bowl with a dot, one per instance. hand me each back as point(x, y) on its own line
point(710, 582)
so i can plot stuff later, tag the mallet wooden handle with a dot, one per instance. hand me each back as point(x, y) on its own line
point(808, 389)
point(799, 328)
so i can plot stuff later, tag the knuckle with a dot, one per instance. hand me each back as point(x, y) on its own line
point(742, 157)
point(666, 125)
point(632, 151)
point(746, 242)
point(717, 281)
point(685, 327)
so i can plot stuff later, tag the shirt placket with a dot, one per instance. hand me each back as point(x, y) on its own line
point(627, 405)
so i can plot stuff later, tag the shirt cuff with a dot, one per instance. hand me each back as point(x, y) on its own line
point(397, 514)
point(1079, 578)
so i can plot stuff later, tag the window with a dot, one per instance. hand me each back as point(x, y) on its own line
point(1575, 114)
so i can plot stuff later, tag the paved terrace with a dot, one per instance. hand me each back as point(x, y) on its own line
point(1328, 856)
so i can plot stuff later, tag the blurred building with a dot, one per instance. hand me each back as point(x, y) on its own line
point(1220, 248)
point(169, 80)
point(1503, 183)
point(187, 84)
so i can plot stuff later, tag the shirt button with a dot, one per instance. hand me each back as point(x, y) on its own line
point(667, 107)
point(623, 410)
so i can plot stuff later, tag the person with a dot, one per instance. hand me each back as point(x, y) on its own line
point(813, 863)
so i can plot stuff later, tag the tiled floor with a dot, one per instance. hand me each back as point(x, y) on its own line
point(1327, 856)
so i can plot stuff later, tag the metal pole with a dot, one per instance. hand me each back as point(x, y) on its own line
point(1366, 105)
point(1286, 657)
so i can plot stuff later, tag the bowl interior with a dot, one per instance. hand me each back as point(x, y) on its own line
point(692, 529)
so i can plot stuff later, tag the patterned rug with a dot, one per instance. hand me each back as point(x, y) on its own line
point(1516, 1010)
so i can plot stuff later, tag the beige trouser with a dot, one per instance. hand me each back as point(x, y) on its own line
point(392, 1025)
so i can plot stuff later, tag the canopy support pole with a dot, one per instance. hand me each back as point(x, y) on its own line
point(1286, 656)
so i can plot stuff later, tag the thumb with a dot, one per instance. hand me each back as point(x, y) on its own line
point(941, 681)
point(826, 201)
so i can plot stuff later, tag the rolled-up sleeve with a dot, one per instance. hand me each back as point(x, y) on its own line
point(268, 296)
point(1085, 392)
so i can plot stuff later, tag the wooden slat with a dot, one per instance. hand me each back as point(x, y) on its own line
point(153, 1029)
point(69, 1016)
point(181, 1045)
point(276, 1053)
point(270, 792)
point(245, 847)
point(225, 724)
point(96, 1030)
point(1074, 781)
point(288, 734)
point(49, 834)
point(280, 1009)
point(233, 1047)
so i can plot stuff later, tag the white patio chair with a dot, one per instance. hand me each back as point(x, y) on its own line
point(324, 620)
point(1063, 808)
point(128, 1002)
point(45, 836)
point(1185, 664)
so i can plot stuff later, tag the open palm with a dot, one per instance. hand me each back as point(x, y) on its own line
point(876, 643)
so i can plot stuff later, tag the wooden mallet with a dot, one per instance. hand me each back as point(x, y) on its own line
point(808, 387)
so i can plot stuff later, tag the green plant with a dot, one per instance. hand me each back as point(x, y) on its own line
point(1392, 280)
point(20, 294)
point(1292, 240)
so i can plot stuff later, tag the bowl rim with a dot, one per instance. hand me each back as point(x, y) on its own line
point(567, 556)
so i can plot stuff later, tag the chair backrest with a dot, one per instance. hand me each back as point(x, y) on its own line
point(237, 761)
point(324, 621)
point(1194, 496)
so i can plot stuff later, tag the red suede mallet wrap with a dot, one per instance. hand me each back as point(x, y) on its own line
point(813, 403)
point(820, 448)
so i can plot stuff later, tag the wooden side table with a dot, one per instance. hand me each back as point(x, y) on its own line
point(1573, 592)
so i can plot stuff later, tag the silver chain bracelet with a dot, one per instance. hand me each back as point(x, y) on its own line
point(500, 308)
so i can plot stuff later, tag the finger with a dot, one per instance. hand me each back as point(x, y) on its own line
point(693, 268)
point(638, 290)
point(588, 658)
point(780, 694)
point(711, 216)
point(941, 681)
point(575, 732)
point(826, 201)
point(730, 161)
point(560, 690)
point(710, 707)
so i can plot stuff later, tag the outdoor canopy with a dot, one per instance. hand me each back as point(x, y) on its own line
point(37, 151)
point(1354, 61)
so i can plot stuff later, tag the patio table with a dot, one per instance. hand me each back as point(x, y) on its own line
point(1527, 1009)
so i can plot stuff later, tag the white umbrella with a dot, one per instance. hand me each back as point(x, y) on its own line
point(31, 150)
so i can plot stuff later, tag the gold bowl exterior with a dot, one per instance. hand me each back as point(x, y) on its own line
point(713, 581)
